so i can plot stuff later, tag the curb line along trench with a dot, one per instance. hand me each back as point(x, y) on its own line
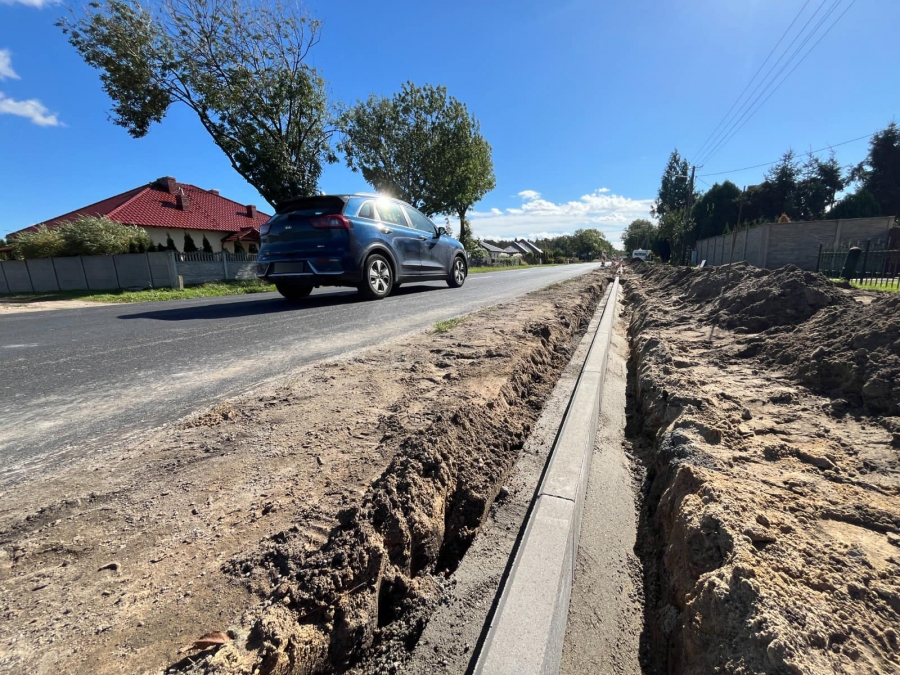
point(527, 631)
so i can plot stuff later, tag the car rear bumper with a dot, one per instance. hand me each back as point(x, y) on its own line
point(316, 273)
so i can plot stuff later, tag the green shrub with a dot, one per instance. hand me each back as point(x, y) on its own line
point(252, 249)
point(42, 242)
point(207, 247)
point(238, 246)
point(189, 245)
point(92, 235)
point(170, 243)
point(86, 235)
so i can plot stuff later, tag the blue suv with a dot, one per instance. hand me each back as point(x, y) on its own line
point(371, 242)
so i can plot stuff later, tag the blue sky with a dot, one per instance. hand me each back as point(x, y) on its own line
point(582, 101)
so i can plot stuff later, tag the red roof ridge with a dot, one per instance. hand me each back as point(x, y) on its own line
point(220, 196)
point(137, 192)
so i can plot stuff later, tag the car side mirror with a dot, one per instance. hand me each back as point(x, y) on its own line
point(442, 232)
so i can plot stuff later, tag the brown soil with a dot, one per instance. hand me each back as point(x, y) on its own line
point(313, 520)
point(770, 513)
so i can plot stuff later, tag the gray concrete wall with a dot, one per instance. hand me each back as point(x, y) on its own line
point(774, 245)
point(108, 272)
point(17, 278)
point(70, 274)
point(43, 276)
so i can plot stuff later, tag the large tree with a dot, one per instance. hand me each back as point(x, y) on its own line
point(716, 211)
point(640, 234)
point(239, 66)
point(674, 187)
point(879, 172)
point(422, 146)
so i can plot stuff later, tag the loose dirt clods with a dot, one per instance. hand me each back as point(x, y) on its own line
point(311, 521)
point(770, 511)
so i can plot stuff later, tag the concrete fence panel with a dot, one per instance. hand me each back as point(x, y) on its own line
point(4, 287)
point(17, 278)
point(133, 271)
point(200, 272)
point(100, 272)
point(43, 276)
point(798, 243)
point(161, 268)
point(242, 270)
point(70, 274)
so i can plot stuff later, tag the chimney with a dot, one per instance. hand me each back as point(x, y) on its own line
point(251, 211)
point(183, 202)
point(168, 184)
point(215, 192)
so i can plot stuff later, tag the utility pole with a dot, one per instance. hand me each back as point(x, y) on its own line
point(687, 216)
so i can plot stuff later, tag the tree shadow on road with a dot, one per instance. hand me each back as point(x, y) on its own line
point(268, 305)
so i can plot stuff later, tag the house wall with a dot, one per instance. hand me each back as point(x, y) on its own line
point(774, 245)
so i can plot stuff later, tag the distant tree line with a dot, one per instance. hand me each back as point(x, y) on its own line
point(794, 189)
point(585, 243)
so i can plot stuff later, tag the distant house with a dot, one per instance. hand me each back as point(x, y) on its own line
point(166, 208)
point(523, 247)
point(493, 252)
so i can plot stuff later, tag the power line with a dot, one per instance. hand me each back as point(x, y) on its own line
point(814, 152)
point(786, 77)
point(766, 83)
point(780, 40)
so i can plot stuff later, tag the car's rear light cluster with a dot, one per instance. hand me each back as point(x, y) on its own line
point(264, 229)
point(335, 222)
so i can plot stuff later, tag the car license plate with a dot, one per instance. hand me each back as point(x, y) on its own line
point(290, 268)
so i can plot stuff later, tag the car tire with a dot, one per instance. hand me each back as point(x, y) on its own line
point(293, 292)
point(458, 272)
point(378, 278)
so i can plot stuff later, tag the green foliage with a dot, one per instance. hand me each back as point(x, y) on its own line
point(161, 249)
point(421, 146)
point(189, 245)
point(640, 234)
point(207, 247)
point(170, 243)
point(879, 173)
point(716, 210)
point(674, 187)
point(86, 235)
point(239, 66)
point(253, 249)
point(41, 242)
point(862, 204)
point(238, 247)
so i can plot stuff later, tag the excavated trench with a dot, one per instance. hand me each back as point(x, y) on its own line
point(759, 422)
point(366, 595)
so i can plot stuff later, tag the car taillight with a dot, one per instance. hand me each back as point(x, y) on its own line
point(330, 223)
point(264, 229)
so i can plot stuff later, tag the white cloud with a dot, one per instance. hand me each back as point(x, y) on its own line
point(30, 3)
point(537, 218)
point(6, 69)
point(31, 109)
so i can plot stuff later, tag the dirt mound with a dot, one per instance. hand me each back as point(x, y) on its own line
point(769, 528)
point(850, 352)
point(369, 589)
point(783, 297)
point(745, 298)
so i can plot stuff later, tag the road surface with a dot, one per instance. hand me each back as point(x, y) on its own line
point(75, 381)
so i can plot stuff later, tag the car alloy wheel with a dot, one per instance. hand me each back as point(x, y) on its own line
point(379, 276)
point(459, 272)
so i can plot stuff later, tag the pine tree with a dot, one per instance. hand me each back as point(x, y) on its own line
point(189, 245)
point(207, 247)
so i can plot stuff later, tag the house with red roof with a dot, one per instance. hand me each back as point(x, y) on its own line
point(167, 209)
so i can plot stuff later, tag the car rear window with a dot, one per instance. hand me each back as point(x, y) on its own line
point(312, 206)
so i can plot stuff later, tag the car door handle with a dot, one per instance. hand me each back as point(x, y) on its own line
point(386, 230)
point(422, 238)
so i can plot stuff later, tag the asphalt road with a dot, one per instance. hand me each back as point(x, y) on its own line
point(75, 381)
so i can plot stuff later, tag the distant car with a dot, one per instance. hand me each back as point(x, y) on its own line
point(373, 243)
point(640, 254)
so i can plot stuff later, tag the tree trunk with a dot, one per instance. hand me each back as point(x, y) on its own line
point(465, 234)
